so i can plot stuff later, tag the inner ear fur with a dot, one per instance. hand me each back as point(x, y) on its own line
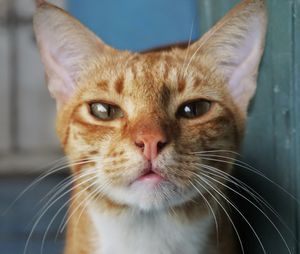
point(66, 47)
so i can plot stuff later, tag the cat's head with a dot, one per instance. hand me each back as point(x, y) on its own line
point(144, 130)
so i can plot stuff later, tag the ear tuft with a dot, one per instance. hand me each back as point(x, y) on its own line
point(234, 46)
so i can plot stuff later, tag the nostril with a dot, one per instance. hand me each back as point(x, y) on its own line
point(161, 145)
point(140, 145)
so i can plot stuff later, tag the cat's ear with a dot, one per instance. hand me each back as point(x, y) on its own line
point(66, 46)
point(234, 46)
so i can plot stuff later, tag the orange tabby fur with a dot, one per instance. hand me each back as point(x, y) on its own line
point(149, 88)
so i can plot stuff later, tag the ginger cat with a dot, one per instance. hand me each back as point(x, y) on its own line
point(144, 132)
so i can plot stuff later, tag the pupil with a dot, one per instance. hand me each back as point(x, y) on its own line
point(108, 109)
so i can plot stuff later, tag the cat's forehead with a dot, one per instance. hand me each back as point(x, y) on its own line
point(151, 75)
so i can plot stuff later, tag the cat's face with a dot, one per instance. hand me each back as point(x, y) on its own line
point(160, 122)
point(144, 125)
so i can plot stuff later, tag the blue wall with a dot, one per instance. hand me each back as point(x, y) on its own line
point(138, 24)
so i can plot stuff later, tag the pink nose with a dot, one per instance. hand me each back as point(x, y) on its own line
point(151, 143)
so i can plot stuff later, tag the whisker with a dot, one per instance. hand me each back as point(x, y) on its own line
point(206, 201)
point(252, 203)
point(169, 205)
point(84, 203)
point(236, 182)
point(230, 159)
point(238, 210)
point(38, 180)
point(215, 151)
point(48, 172)
point(62, 188)
point(210, 208)
point(64, 205)
point(38, 220)
point(226, 212)
point(57, 188)
point(62, 226)
point(63, 183)
point(202, 42)
point(253, 170)
point(258, 198)
point(188, 49)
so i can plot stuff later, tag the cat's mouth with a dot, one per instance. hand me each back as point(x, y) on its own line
point(150, 175)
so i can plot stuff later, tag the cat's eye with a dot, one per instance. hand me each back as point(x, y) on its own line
point(194, 109)
point(105, 111)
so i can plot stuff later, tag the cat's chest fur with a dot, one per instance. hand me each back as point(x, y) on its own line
point(148, 234)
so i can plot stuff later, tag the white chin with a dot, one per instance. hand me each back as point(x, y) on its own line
point(147, 195)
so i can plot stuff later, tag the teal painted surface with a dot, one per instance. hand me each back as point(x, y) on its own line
point(272, 142)
point(296, 113)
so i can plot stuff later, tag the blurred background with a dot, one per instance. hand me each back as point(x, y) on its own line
point(29, 146)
